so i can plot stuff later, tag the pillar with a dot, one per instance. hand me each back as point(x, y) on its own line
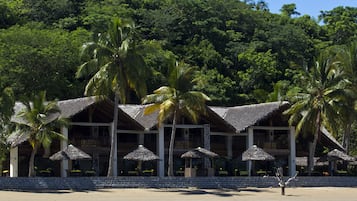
point(292, 147)
point(206, 143)
point(229, 145)
point(64, 144)
point(14, 162)
point(250, 142)
point(161, 151)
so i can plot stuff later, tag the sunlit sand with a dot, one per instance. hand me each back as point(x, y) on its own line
point(191, 194)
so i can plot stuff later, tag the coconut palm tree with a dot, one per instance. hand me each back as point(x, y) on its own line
point(316, 105)
point(346, 57)
point(115, 67)
point(175, 100)
point(39, 121)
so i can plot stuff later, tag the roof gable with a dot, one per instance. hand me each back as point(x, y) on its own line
point(241, 117)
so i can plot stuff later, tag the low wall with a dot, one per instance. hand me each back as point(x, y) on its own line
point(88, 183)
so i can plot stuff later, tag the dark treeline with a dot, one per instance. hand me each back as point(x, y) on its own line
point(245, 53)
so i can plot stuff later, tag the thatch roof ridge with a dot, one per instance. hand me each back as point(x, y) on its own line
point(136, 112)
point(241, 117)
point(71, 107)
point(68, 107)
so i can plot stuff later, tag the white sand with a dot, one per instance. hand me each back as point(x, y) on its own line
point(251, 194)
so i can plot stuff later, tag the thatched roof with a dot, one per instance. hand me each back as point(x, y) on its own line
point(136, 112)
point(339, 155)
point(141, 154)
point(199, 152)
point(255, 153)
point(241, 117)
point(149, 121)
point(329, 141)
point(68, 107)
point(16, 138)
point(70, 153)
point(302, 161)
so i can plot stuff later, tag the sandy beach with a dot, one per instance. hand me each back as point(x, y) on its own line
point(251, 194)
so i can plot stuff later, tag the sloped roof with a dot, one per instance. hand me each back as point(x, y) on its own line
point(329, 140)
point(241, 117)
point(149, 121)
point(68, 107)
point(72, 107)
point(136, 112)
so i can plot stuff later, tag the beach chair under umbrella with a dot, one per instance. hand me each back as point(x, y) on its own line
point(141, 154)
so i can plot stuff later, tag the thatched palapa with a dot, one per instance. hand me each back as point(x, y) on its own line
point(141, 154)
point(199, 152)
point(70, 153)
point(255, 153)
point(339, 155)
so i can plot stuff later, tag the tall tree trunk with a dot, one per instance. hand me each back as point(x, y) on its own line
point(314, 143)
point(347, 137)
point(32, 172)
point(112, 137)
point(170, 171)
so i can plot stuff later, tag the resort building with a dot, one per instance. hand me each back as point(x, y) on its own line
point(226, 131)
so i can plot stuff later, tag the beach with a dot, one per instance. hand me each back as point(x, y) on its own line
point(190, 194)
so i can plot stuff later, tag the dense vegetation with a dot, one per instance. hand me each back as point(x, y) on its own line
point(244, 53)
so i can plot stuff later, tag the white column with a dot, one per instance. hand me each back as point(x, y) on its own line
point(250, 142)
point(64, 144)
point(161, 151)
point(115, 154)
point(229, 145)
point(292, 147)
point(206, 143)
point(14, 162)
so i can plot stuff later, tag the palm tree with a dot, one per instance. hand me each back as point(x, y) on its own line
point(346, 56)
point(39, 120)
point(116, 67)
point(175, 100)
point(316, 105)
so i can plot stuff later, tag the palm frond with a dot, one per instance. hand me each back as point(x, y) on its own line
point(151, 109)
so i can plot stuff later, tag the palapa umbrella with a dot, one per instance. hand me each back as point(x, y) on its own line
point(70, 153)
point(255, 153)
point(198, 152)
point(339, 155)
point(141, 154)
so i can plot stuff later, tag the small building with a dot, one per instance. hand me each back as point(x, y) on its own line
point(227, 131)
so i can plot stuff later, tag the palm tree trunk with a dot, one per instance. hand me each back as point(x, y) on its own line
point(170, 171)
point(112, 137)
point(347, 137)
point(32, 172)
point(314, 143)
